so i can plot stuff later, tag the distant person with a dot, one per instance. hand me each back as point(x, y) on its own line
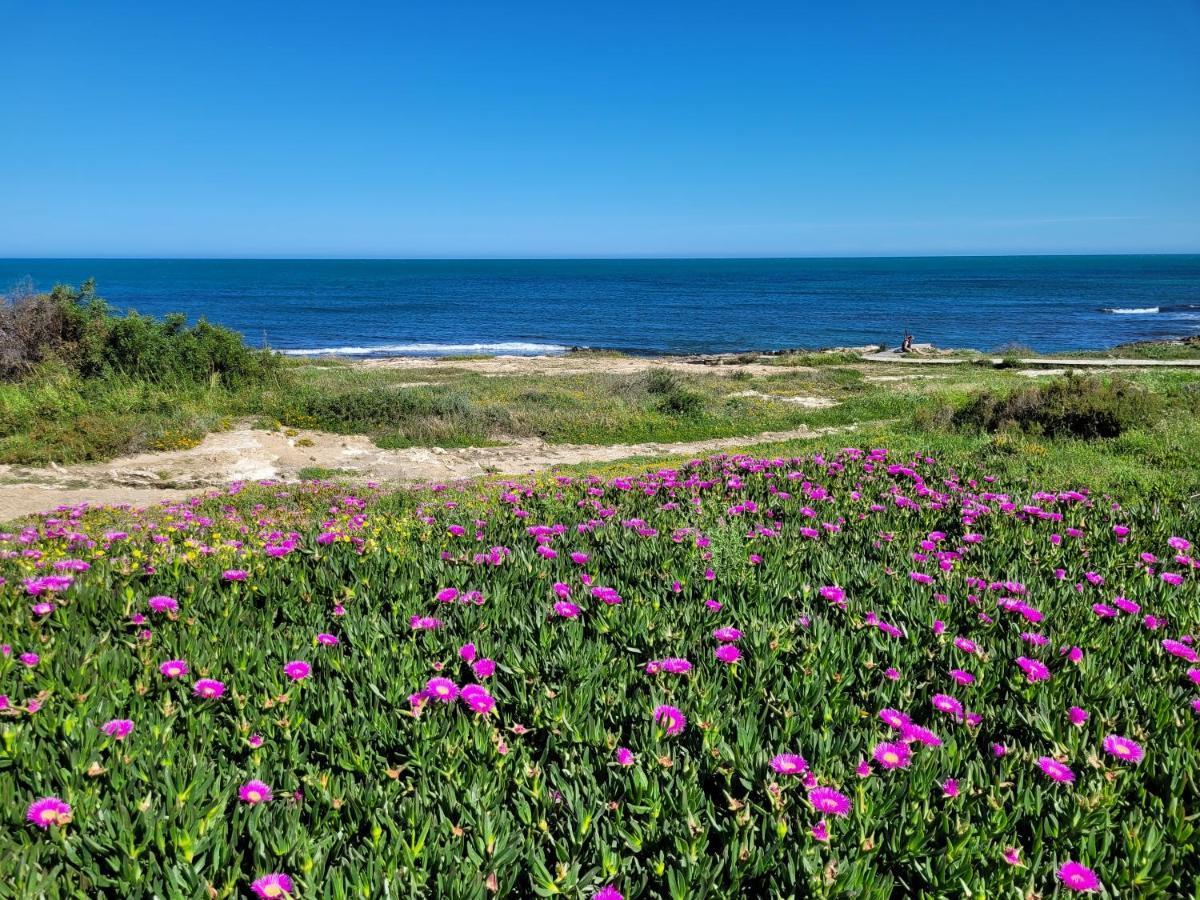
point(906, 344)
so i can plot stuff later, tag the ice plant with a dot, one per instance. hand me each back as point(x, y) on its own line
point(789, 764)
point(892, 755)
point(208, 688)
point(442, 689)
point(273, 886)
point(297, 670)
point(828, 801)
point(1123, 749)
point(255, 792)
point(48, 811)
point(174, 668)
point(1055, 770)
point(670, 718)
point(117, 728)
point(1078, 877)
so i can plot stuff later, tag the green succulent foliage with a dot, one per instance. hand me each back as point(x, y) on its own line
point(373, 800)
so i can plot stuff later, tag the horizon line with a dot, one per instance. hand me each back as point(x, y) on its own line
point(596, 258)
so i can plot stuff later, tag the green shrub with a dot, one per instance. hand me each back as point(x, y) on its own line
point(1066, 407)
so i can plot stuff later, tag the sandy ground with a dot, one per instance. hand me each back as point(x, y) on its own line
point(247, 454)
point(579, 364)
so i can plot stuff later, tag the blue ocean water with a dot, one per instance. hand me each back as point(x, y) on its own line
point(381, 307)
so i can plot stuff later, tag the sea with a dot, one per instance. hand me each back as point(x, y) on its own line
point(363, 308)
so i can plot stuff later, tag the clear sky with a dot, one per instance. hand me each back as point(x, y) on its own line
point(575, 128)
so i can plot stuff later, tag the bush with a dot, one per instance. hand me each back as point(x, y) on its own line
point(79, 329)
point(1067, 407)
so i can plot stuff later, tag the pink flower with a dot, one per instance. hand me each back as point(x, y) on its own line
point(118, 728)
point(1012, 856)
point(255, 741)
point(950, 788)
point(255, 792)
point(728, 653)
point(1175, 648)
point(671, 719)
point(209, 688)
point(327, 640)
point(270, 887)
point(789, 764)
point(483, 668)
point(1078, 877)
point(1055, 770)
point(727, 635)
point(820, 831)
point(566, 610)
point(174, 668)
point(467, 653)
point(29, 659)
point(48, 811)
point(891, 673)
point(608, 892)
point(161, 604)
point(441, 689)
point(961, 677)
point(42, 609)
point(827, 800)
point(892, 755)
point(1123, 749)
point(625, 756)
point(234, 575)
point(1034, 669)
point(297, 670)
point(1077, 715)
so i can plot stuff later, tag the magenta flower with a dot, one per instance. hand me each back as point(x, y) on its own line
point(255, 792)
point(1034, 670)
point(272, 886)
point(1012, 855)
point(892, 755)
point(29, 659)
point(728, 653)
point(235, 574)
point(789, 764)
point(608, 892)
point(42, 609)
point(1176, 648)
point(483, 668)
point(467, 653)
point(174, 668)
point(961, 677)
point(447, 595)
point(820, 831)
point(671, 719)
point(297, 670)
point(118, 728)
point(833, 593)
point(827, 800)
point(727, 635)
point(1123, 749)
point(947, 704)
point(950, 788)
point(1077, 715)
point(209, 688)
point(255, 741)
point(327, 640)
point(1078, 877)
point(1055, 770)
point(442, 689)
point(161, 604)
point(893, 718)
point(566, 609)
point(48, 811)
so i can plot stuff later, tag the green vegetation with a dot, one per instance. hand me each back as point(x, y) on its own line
point(425, 695)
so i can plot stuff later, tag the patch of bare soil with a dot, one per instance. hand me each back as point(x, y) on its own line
point(247, 454)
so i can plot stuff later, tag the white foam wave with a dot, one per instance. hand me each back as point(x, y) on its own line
point(513, 348)
point(1134, 311)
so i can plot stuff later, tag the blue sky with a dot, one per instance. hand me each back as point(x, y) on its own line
point(599, 129)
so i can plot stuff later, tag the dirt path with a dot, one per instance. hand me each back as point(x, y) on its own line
point(1089, 362)
point(247, 454)
point(581, 364)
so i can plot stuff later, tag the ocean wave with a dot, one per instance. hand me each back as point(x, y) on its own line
point(1175, 308)
point(511, 348)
